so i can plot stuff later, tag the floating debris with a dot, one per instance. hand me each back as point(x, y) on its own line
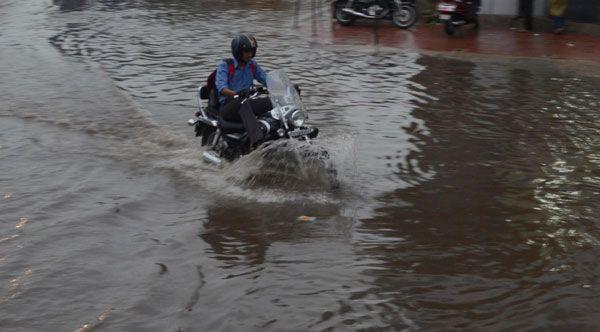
point(306, 218)
point(21, 223)
point(7, 195)
point(89, 326)
point(15, 283)
point(163, 268)
point(7, 238)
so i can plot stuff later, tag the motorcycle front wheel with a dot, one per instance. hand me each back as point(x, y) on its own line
point(405, 16)
point(342, 17)
point(206, 133)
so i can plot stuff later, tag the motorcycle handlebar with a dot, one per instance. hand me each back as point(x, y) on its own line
point(262, 90)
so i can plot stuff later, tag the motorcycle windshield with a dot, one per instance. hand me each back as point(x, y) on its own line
point(282, 92)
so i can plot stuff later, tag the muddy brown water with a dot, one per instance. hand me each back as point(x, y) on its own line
point(468, 201)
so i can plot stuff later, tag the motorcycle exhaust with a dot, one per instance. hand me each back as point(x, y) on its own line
point(211, 157)
point(354, 12)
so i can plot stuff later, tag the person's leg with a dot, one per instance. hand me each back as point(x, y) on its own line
point(250, 122)
point(519, 15)
point(246, 112)
point(528, 13)
point(261, 105)
point(230, 112)
point(472, 11)
point(521, 12)
point(250, 109)
point(559, 24)
point(557, 11)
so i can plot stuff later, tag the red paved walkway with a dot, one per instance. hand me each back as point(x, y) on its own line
point(493, 41)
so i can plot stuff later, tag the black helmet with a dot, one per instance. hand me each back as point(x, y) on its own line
point(241, 43)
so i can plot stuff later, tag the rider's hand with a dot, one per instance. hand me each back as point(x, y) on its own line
point(244, 93)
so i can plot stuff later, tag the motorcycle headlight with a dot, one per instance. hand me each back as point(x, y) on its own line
point(298, 119)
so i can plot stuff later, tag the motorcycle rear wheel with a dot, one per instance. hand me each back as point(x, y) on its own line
point(342, 17)
point(405, 17)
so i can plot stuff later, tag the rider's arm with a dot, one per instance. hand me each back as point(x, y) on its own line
point(261, 75)
point(222, 80)
point(228, 92)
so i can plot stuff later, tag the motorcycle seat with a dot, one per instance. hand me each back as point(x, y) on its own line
point(230, 127)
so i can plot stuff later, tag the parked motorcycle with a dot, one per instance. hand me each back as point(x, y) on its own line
point(229, 140)
point(456, 13)
point(402, 12)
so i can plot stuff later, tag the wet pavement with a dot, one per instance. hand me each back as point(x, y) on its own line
point(468, 195)
point(488, 40)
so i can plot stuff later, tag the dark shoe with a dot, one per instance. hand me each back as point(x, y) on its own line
point(254, 146)
point(513, 22)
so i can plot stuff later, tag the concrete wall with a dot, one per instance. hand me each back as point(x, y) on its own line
point(578, 10)
point(584, 11)
point(509, 7)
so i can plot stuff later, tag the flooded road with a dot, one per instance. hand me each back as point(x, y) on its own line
point(469, 187)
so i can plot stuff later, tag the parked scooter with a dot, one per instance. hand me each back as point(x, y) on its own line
point(456, 13)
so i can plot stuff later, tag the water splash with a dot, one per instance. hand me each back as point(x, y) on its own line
point(294, 165)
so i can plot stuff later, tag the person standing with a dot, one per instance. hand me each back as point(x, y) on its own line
point(428, 9)
point(557, 12)
point(526, 13)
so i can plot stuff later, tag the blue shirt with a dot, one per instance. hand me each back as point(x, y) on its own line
point(242, 77)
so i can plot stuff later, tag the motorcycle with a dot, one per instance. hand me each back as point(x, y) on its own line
point(402, 12)
point(229, 140)
point(456, 13)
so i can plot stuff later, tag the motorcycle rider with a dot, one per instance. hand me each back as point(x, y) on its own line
point(234, 81)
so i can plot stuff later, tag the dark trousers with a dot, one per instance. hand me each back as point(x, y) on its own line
point(558, 22)
point(526, 12)
point(474, 9)
point(246, 111)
